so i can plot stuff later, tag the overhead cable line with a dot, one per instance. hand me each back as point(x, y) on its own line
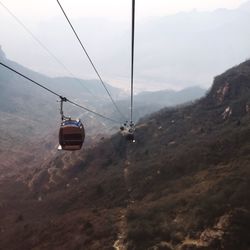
point(132, 61)
point(90, 60)
point(44, 47)
point(56, 94)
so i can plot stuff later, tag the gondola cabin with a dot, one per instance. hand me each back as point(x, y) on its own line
point(71, 135)
point(128, 131)
point(130, 137)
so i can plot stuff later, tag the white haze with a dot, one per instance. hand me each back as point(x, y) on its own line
point(178, 43)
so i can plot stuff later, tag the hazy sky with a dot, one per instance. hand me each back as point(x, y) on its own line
point(45, 20)
point(112, 9)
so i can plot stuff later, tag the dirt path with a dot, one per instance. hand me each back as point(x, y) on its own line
point(122, 222)
point(122, 234)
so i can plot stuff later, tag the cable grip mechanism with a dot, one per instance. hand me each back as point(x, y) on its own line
point(62, 100)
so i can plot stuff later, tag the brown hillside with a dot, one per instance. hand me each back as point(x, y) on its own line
point(184, 184)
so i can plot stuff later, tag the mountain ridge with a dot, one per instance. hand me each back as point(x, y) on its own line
point(180, 50)
point(183, 185)
point(30, 116)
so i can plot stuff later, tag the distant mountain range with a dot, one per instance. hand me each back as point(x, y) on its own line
point(20, 96)
point(188, 48)
point(30, 115)
point(146, 103)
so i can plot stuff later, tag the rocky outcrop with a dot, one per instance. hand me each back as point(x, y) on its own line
point(225, 234)
point(232, 85)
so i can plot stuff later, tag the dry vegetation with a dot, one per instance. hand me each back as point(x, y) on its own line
point(187, 184)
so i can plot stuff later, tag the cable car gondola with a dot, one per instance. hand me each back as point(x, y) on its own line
point(71, 133)
point(128, 131)
point(130, 136)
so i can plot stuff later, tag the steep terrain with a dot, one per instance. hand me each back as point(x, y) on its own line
point(29, 116)
point(183, 185)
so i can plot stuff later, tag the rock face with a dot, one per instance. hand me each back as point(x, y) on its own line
point(231, 89)
point(184, 184)
point(194, 202)
point(222, 93)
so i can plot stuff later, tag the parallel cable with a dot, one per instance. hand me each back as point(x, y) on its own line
point(56, 94)
point(132, 60)
point(43, 46)
point(90, 60)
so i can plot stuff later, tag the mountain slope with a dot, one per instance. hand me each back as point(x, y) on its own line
point(30, 116)
point(145, 103)
point(184, 184)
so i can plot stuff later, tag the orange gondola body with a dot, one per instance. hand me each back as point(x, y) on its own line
point(71, 134)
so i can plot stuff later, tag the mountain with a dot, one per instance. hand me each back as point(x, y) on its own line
point(30, 116)
point(187, 48)
point(183, 185)
point(169, 98)
point(148, 102)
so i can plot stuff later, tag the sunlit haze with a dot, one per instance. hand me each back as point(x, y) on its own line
point(162, 54)
point(114, 9)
